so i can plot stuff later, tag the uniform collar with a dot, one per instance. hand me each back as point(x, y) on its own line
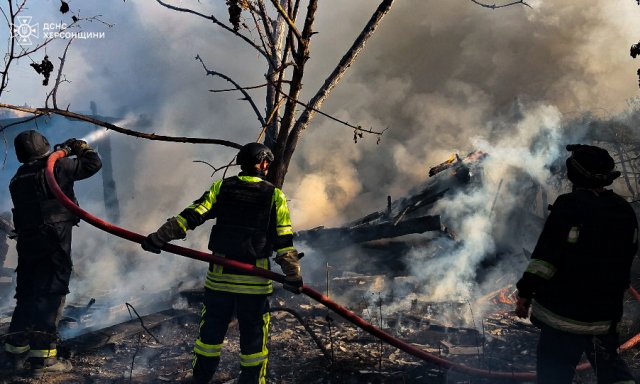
point(251, 178)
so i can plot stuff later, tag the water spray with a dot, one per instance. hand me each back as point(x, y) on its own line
point(95, 136)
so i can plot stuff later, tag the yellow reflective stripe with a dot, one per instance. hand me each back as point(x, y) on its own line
point(285, 249)
point(202, 313)
point(201, 209)
point(204, 206)
point(15, 349)
point(261, 357)
point(541, 268)
point(250, 179)
point(574, 234)
point(283, 221)
point(281, 231)
point(182, 222)
point(217, 270)
point(43, 353)
point(252, 360)
point(240, 279)
point(569, 325)
point(218, 280)
point(208, 350)
point(262, 263)
point(235, 288)
point(218, 274)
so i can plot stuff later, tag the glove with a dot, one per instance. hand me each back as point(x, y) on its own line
point(290, 264)
point(152, 243)
point(170, 230)
point(78, 147)
point(66, 147)
point(522, 307)
point(293, 284)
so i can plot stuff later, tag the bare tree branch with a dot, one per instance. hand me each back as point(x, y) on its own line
point(113, 127)
point(287, 19)
point(331, 81)
point(10, 56)
point(301, 56)
point(26, 120)
point(274, 113)
point(267, 28)
point(355, 127)
point(494, 6)
point(214, 168)
point(238, 87)
point(219, 23)
point(255, 15)
point(54, 91)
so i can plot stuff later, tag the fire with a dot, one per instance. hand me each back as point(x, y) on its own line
point(506, 296)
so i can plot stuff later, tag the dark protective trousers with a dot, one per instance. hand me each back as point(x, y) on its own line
point(559, 353)
point(252, 312)
point(43, 273)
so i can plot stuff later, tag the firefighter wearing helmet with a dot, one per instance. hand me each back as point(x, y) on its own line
point(252, 221)
point(43, 227)
point(579, 272)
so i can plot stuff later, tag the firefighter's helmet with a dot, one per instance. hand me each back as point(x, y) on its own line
point(590, 166)
point(253, 153)
point(31, 145)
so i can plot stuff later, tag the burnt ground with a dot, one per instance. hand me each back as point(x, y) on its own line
point(157, 348)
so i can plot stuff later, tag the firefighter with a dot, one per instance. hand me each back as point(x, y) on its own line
point(252, 220)
point(579, 271)
point(43, 227)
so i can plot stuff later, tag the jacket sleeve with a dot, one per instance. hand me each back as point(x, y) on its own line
point(200, 210)
point(69, 170)
point(284, 231)
point(545, 258)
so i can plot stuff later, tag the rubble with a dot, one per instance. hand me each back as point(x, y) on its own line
point(308, 343)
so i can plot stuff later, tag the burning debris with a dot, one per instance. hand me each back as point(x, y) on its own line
point(309, 343)
point(407, 215)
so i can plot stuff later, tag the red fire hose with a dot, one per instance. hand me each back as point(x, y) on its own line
point(253, 270)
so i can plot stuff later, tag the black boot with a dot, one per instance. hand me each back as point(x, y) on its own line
point(203, 368)
point(251, 375)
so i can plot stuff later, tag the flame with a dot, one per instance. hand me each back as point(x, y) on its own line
point(506, 296)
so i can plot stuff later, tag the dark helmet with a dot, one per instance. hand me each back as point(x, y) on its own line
point(31, 145)
point(253, 153)
point(590, 166)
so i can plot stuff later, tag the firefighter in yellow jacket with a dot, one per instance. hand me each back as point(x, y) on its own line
point(252, 220)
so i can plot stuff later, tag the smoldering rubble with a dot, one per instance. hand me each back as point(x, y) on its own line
point(368, 265)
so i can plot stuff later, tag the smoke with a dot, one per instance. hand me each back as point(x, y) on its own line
point(474, 217)
point(443, 77)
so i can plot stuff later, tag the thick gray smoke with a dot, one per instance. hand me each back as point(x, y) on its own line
point(443, 77)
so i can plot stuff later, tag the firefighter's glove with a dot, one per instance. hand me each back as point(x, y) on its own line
point(522, 307)
point(290, 264)
point(78, 147)
point(64, 147)
point(170, 230)
point(152, 243)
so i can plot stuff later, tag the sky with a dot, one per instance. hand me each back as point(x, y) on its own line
point(440, 77)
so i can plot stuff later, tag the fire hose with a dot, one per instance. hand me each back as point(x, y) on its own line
point(253, 270)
